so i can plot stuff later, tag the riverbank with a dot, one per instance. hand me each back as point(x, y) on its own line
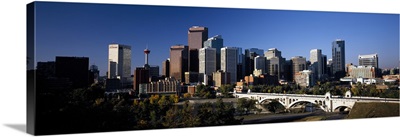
point(290, 117)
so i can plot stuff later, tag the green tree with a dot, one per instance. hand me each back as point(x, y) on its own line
point(206, 114)
point(205, 91)
point(241, 108)
point(245, 105)
point(172, 119)
point(225, 89)
point(164, 104)
point(278, 89)
point(188, 117)
point(357, 89)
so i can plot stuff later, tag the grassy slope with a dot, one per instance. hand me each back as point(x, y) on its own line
point(374, 109)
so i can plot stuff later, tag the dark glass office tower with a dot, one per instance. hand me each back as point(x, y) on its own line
point(338, 59)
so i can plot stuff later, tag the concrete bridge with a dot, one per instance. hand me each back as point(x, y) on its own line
point(326, 102)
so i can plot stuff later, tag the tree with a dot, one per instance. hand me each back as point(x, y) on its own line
point(356, 90)
point(186, 95)
point(206, 114)
point(154, 99)
point(188, 118)
point(245, 105)
point(174, 98)
point(164, 103)
point(241, 108)
point(205, 92)
point(225, 89)
point(278, 89)
point(172, 118)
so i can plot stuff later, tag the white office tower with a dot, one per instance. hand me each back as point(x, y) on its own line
point(119, 62)
point(229, 62)
point(207, 61)
point(368, 60)
point(316, 62)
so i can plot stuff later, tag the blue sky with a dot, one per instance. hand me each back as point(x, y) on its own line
point(87, 29)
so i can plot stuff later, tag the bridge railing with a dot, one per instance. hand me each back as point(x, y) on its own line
point(280, 94)
point(320, 96)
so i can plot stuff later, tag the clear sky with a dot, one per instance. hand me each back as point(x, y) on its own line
point(87, 30)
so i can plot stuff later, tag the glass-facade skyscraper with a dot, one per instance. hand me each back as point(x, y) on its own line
point(250, 54)
point(338, 58)
point(229, 62)
point(207, 60)
point(216, 42)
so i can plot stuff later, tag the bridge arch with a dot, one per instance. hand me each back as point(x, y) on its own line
point(341, 108)
point(270, 99)
point(316, 102)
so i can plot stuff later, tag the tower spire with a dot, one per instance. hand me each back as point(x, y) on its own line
point(146, 53)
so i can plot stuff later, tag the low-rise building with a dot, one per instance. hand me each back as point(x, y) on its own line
point(166, 85)
point(221, 78)
point(304, 78)
point(362, 71)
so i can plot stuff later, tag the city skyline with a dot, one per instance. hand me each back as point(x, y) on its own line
point(90, 32)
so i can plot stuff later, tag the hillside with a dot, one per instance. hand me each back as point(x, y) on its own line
point(374, 109)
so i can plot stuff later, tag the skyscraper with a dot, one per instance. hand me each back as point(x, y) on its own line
point(193, 60)
point(250, 54)
point(259, 64)
point(299, 63)
point(196, 37)
point(368, 60)
point(324, 65)
point(316, 62)
point(273, 52)
point(275, 66)
point(275, 62)
point(329, 67)
point(179, 62)
point(216, 42)
point(338, 58)
point(165, 68)
point(154, 71)
point(207, 60)
point(240, 64)
point(141, 75)
point(229, 62)
point(119, 62)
